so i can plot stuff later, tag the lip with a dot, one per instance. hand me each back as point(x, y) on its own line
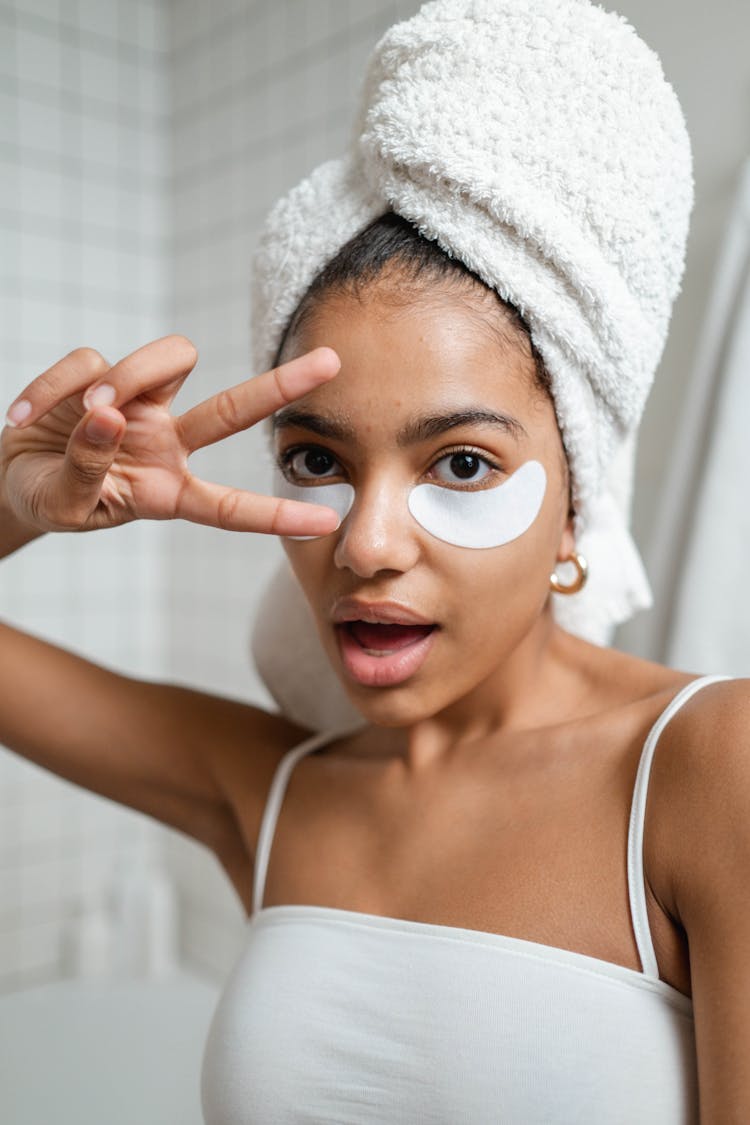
point(387, 670)
point(383, 613)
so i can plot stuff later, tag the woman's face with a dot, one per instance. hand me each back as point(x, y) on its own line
point(431, 358)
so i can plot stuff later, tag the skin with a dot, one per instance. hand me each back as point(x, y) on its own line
point(500, 661)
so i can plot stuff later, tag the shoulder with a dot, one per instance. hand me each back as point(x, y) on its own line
point(701, 816)
point(700, 787)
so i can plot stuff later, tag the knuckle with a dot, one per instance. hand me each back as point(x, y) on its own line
point(228, 509)
point(228, 410)
point(186, 351)
point(276, 374)
point(90, 361)
point(276, 516)
point(85, 470)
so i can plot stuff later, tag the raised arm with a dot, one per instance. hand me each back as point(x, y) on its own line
point(176, 754)
point(182, 756)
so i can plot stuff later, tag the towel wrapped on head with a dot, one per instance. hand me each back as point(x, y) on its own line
point(540, 144)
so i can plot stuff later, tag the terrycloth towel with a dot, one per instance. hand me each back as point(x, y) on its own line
point(539, 142)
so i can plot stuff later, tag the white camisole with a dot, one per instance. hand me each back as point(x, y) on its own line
point(344, 1018)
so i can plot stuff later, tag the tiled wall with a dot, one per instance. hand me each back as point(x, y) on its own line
point(263, 92)
point(84, 236)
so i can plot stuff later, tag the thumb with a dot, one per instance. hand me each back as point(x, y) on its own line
point(91, 449)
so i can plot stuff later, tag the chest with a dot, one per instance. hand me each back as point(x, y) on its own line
point(538, 853)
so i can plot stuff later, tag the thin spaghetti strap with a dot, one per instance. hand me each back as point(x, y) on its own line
point(636, 878)
point(273, 805)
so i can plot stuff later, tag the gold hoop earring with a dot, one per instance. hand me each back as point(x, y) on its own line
point(579, 582)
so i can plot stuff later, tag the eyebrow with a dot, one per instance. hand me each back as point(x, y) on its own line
point(422, 428)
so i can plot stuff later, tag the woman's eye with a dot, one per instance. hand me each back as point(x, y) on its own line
point(308, 464)
point(463, 467)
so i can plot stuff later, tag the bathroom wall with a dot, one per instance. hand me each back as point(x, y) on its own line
point(84, 243)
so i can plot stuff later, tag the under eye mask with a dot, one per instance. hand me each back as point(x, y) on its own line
point(340, 497)
point(486, 517)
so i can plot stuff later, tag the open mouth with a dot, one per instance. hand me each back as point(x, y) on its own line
point(380, 639)
point(379, 654)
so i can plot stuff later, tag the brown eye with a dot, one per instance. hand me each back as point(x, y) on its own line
point(462, 466)
point(309, 463)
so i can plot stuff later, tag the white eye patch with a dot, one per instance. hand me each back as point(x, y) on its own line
point(340, 497)
point(486, 517)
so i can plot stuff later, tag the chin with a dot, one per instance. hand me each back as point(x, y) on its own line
point(393, 707)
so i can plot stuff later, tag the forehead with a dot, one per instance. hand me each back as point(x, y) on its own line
point(402, 352)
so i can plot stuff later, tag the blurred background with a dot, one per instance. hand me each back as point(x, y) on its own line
point(141, 144)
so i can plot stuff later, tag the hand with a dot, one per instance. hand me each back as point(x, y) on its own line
point(71, 465)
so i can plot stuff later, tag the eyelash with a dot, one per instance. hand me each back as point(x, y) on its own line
point(284, 459)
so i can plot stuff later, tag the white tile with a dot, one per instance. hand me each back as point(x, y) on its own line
point(152, 279)
point(46, 886)
point(10, 954)
point(42, 821)
point(129, 146)
point(38, 57)
point(127, 81)
point(98, 75)
point(70, 65)
point(40, 946)
point(153, 88)
point(10, 200)
point(39, 126)
point(9, 119)
point(128, 22)
point(153, 28)
point(42, 258)
point(99, 202)
point(49, 10)
point(153, 216)
point(100, 330)
point(10, 831)
point(99, 16)
point(99, 142)
point(8, 56)
point(155, 153)
point(42, 192)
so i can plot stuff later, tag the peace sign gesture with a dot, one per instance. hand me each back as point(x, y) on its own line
point(91, 446)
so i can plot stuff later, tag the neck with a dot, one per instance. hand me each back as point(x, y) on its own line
point(544, 681)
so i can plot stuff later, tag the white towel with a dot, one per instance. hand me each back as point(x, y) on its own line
point(539, 142)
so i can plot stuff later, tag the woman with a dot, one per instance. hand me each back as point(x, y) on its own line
point(463, 909)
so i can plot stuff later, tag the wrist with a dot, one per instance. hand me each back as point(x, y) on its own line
point(13, 532)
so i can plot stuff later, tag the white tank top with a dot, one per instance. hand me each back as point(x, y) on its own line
point(336, 1016)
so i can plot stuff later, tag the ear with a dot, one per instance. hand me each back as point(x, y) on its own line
point(567, 540)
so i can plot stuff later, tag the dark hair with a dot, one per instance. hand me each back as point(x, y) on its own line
point(393, 241)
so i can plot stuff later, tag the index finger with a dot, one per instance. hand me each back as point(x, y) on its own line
point(241, 406)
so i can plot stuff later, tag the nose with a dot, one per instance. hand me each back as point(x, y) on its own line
point(379, 533)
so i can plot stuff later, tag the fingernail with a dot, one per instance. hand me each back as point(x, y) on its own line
point(101, 430)
point(103, 395)
point(18, 411)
